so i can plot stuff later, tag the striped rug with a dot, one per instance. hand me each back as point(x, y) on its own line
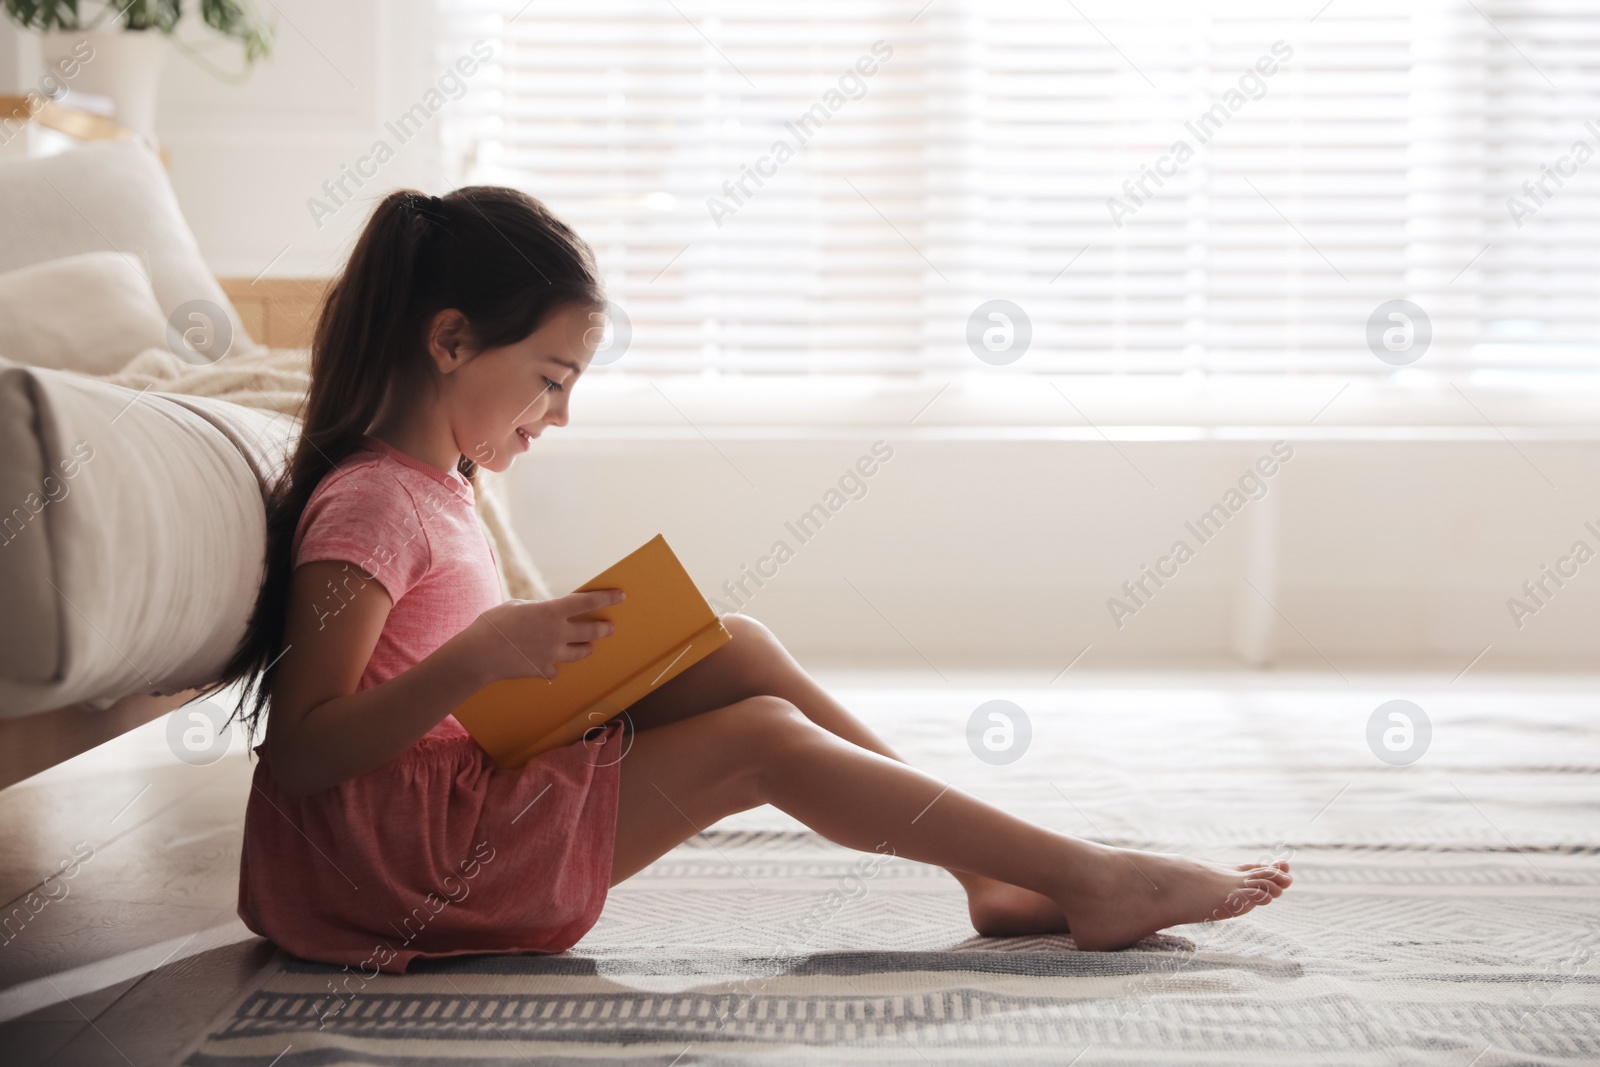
point(1446, 913)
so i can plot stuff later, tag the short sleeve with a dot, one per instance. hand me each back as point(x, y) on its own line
point(365, 516)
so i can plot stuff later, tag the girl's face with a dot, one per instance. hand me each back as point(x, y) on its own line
point(500, 399)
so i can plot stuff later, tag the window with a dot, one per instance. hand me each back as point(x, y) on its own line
point(838, 187)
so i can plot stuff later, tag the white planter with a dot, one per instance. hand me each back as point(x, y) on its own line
point(125, 66)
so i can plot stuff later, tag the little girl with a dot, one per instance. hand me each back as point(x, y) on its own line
point(377, 830)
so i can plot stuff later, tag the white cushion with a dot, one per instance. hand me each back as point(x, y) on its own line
point(133, 536)
point(111, 196)
point(92, 313)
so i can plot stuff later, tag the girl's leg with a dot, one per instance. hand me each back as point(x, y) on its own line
point(755, 663)
point(681, 777)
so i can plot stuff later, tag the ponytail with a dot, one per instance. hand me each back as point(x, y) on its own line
point(497, 255)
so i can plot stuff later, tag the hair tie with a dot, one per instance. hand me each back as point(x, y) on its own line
point(430, 208)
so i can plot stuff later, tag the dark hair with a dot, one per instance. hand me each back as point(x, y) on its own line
point(496, 254)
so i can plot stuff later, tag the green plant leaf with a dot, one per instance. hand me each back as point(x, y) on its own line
point(242, 23)
point(238, 20)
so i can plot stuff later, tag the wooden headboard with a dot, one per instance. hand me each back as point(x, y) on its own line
point(278, 312)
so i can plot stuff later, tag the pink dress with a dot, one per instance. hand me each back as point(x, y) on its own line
point(437, 852)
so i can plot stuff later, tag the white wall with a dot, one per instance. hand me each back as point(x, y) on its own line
point(245, 158)
point(1383, 546)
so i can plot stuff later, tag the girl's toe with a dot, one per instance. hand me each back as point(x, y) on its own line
point(1262, 892)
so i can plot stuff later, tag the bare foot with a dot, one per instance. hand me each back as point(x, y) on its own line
point(1001, 910)
point(1128, 895)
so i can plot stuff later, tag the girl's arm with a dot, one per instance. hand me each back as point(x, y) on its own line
point(320, 731)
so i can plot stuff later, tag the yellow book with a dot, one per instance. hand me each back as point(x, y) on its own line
point(664, 627)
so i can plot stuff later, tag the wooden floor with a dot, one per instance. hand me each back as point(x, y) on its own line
point(128, 959)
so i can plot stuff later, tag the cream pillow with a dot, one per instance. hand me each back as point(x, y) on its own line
point(89, 313)
point(111, 196)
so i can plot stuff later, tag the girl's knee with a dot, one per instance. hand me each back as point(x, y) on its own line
point(770, 711)
point(751, 637)
point(776, 734)
point(755, 655)
point(742, 626)
point(771, 722)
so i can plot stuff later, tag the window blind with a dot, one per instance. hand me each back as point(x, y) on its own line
point(1155, 187)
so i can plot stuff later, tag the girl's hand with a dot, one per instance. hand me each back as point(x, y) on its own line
point(324, 729)
point(529, 638)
